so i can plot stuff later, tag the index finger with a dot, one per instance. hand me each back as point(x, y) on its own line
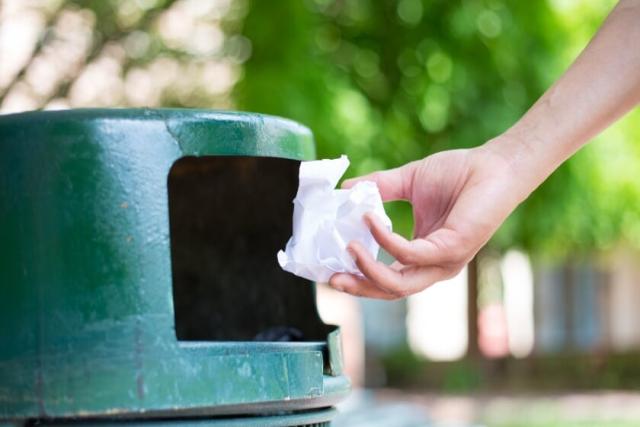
point(402, 283)
point(358, 286)
point(444, 247)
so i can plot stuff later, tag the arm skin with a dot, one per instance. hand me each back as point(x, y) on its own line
point(461, 197)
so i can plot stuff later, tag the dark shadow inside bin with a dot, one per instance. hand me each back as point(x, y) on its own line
point(228, 218)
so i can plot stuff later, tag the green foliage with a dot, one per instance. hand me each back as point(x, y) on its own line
point(404, 369)
point(384, 81)
point(548, 373)
point(387, 82)
point(542, 418)
point(386, 90)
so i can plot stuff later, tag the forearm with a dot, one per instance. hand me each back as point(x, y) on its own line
point(599, 87)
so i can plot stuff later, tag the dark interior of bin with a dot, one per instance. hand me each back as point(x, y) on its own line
point(228, 218)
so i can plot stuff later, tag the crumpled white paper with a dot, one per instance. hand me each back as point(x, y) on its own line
point(325, 220)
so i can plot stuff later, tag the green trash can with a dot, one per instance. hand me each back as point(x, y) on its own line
point(138, 273)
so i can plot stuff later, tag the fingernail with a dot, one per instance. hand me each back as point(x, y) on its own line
point(352, 252)
point(336, 286)
point(368, 221)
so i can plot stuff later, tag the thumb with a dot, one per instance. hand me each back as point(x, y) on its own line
point(394, 184)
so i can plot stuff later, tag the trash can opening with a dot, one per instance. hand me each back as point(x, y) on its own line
point(228, 217)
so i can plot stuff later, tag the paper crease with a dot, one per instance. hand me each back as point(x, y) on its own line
point(326, 219)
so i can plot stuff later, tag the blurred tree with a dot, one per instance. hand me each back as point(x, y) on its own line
point(384, 81)
point(387, 82)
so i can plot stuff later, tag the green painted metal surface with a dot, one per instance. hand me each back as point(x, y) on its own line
point(313, 418)
point(87, 325)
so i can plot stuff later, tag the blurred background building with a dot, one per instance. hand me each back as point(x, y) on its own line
point(551, 304)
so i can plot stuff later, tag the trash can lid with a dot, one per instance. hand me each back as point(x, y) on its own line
point(196, 132)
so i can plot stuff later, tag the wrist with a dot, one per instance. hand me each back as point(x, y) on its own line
point(523, 158)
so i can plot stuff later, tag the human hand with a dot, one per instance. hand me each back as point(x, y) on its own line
point(459, 199)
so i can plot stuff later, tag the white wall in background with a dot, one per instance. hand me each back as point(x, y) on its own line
point(517, 276)
point(624, 302)
point(437, 320)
